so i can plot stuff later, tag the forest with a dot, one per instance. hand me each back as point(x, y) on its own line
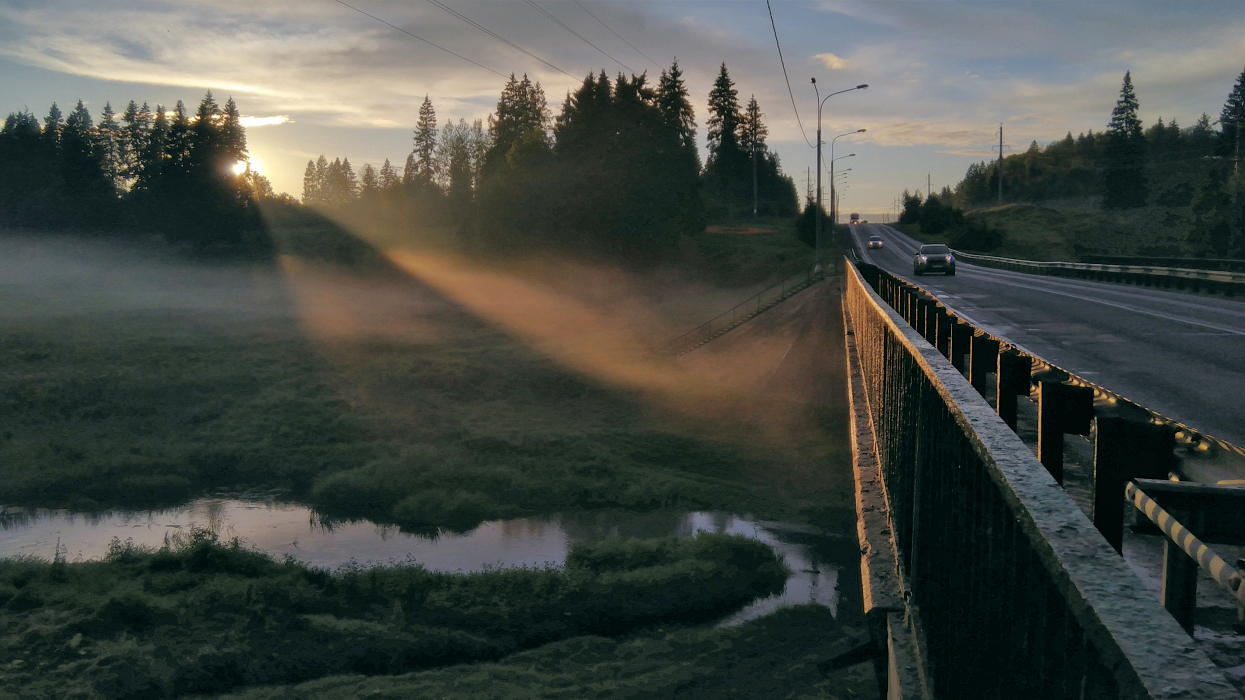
point(1127, 166)
point(616, 172)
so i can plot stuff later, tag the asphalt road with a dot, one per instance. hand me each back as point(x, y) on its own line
point(1180, 354)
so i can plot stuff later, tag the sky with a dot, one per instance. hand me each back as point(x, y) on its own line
point(320, 77)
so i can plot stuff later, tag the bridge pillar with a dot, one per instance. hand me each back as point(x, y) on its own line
point(1125, 448)
point(983, 353)
point(1011, 381)
point(961, 341)
point(1062, 408)
point(943, 337)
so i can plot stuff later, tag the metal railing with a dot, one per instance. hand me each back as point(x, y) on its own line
point(1159, 261)
point(1016, 593)
point(743, 311)
point(1211, 280)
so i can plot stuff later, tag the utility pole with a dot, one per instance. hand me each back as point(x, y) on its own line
point(1000, 164)
point(821, 101)
point(927, 187)
point(754, 179)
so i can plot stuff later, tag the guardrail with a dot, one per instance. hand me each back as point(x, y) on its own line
point(1215, 281)
point(745, 310)
point(1011, 587)
point(1158, 261)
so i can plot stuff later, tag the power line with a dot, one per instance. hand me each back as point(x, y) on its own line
point(784, 75)
point(581, 38)
point(496, 36)
point(468, 60)
point(628, 43)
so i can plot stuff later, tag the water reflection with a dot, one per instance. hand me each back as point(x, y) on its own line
point(281, 529)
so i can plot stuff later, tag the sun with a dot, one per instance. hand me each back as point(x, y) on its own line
point(239, 167)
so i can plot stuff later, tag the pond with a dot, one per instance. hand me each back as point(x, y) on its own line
point(283, 529)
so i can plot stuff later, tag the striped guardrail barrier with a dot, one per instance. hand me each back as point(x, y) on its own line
point(1224, 574)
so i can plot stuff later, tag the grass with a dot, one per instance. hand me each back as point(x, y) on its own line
point(135, 380)
point(747, 259)
point(775, 657)
point(427, 418)
point(197, 616)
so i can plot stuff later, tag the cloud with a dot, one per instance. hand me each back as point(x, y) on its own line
point(250, 122)
point(831, 61)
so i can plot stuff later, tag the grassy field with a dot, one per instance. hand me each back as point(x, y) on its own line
point(201, 617)
point(748, 258)
point(416, 391)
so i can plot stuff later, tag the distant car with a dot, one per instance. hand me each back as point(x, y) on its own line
point(875, 241)
point(934, 257)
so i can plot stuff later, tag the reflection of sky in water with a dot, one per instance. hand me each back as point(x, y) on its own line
point(284, 529)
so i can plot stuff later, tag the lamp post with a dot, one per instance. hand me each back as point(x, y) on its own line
point(834, 205)
point(821, 101)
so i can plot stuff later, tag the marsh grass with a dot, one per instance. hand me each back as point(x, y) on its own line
point(348, 385)
point(199, 616)
point(777, 656)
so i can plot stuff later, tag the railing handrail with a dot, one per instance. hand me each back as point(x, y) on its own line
point(1149, 653)
point(1188, 273)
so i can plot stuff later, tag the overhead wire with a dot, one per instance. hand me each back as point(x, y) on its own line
point(416, 36)
point(784, 75)
point(620, 37)
point(495, 35)
point(572, 31)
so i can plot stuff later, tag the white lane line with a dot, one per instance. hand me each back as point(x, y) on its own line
point(1126, 307)
point(1009, 276)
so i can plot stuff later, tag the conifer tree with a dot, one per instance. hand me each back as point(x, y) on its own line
point(1124, 180)
point(676, 106)
point(311, 185)
point(152, 158)
point(410, 171)
point(724, 116)
point(389, 177)
point(426, 142)
point(135, 133)
point(369, 181)
point(522, 114)
point(108, 141)
point(752, 133)
point(53, 124)
point(232, 133)
point(1232, 121)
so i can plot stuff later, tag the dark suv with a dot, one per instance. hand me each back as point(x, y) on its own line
point(934, 257)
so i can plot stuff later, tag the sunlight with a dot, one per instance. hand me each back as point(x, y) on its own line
point(239, 167)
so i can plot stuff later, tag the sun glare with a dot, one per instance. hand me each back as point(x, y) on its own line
point(239, 167)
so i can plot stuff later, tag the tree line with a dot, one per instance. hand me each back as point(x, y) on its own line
point(1129, 166)
point(167, 171)
point(616, 171)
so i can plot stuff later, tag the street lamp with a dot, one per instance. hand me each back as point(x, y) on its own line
point(834, 203)
point(834, 206)
point(821, 101)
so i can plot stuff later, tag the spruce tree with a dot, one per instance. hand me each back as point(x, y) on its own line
point(135, 133)
point(152, 158)
point(369, 181)
point(53, 124)
point(311, 187)
point(232, 133)
point(726, 172)
point(1232, 121)
point(522, 114)
point(752, 133)
point(389, 177)
point(1124, 180)
point(410, 171)
point(426, 142)
point(675, 105)
point(108, 141)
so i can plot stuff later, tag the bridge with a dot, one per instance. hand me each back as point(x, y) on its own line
point(1000, 457)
